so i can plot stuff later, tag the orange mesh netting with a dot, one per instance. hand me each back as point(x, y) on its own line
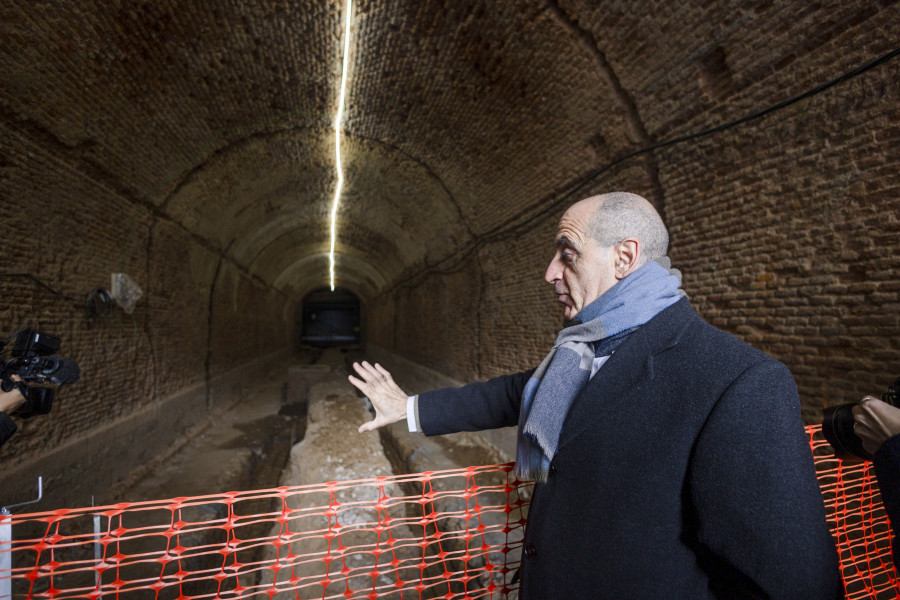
point(858, 522)
point(446, 534)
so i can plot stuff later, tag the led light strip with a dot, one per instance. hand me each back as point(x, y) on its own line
point(337, 138)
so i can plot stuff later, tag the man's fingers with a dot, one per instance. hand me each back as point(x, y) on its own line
point(377, 384)
point(376, 376)
point(372, 371)
point(358, 384)
point(363, 369)
point(368, 375)
point(383, 372)
point(371, 374)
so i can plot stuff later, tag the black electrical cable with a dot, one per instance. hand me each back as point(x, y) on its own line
point(99, 302)
point(515, 228)
point(705, 132)
point(39, 283)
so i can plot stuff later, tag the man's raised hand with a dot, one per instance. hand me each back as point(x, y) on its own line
point(386, 396)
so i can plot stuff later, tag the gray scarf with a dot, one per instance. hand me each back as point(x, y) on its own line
point(565, 371)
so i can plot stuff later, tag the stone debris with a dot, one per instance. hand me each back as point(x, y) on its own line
point(333, 450)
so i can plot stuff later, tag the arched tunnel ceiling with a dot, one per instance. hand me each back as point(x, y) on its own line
point(458, 114)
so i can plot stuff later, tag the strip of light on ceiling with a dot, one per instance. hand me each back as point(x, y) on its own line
point(337, 139)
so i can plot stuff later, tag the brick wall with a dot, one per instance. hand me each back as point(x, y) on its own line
point(201, 317)
point(192, 149)
point(786, 228)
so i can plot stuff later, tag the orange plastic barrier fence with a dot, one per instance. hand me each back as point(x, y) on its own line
point(858, 522)
point(448, 534)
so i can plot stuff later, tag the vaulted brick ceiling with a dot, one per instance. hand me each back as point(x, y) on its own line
point(462, 118)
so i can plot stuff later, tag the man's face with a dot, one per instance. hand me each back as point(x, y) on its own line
point(581, 270)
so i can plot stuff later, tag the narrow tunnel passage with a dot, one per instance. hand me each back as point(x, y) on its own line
point(331, 318)
point(194, 152)
point(194, 149)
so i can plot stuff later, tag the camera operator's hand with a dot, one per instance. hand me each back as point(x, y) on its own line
point(874, 422)
point(11, 400)
point(386, 396)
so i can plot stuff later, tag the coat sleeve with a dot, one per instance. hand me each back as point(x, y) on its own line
point(474, 407)
point(887, 471)
point(7, 428)
point(760, 517)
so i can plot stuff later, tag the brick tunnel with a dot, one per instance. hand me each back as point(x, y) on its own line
point(192, 147)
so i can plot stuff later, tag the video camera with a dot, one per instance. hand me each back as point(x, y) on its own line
point(837, 425)
point(30, 359)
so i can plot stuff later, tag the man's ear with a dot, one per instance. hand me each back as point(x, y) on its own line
point(626, 257)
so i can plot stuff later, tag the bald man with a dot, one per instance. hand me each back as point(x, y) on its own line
point(669, 457)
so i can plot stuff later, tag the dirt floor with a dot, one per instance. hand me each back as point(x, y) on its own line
point(248, 445)
point(245, 447)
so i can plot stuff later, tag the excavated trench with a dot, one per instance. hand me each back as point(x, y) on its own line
point(334, 450)
point(262, 442)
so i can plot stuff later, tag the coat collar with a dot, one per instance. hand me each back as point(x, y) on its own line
point(631, 363)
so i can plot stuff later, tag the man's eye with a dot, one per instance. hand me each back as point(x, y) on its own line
point(567, 257)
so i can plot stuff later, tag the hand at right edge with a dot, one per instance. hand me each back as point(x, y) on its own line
point(875, 422)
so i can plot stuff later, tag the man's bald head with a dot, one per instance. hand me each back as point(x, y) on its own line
point(600, 241)
point(620, 215)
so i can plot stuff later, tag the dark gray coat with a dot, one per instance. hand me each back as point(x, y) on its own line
point(683, 471)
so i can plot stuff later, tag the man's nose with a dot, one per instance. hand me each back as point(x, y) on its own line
point(553, 271)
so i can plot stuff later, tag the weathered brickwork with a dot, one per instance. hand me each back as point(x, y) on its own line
point(790, 237)
point(70, 232)
point(786, 227)
point(191, 146)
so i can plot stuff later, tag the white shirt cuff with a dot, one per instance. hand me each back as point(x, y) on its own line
point(411, 414)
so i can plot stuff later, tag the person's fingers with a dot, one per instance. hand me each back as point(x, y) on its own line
point(383, 372)
point(860, 423)
point(369, 376)
point(377, 384)
point(358, 384)
point(365, 369)
point(372, 371)
point(870, 446)
point(362, 370)
point(866, 417)
point(867, 413)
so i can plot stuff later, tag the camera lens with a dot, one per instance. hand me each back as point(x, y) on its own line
point(837, 425)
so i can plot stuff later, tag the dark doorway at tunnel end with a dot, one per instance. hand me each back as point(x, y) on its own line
point(330, 318)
